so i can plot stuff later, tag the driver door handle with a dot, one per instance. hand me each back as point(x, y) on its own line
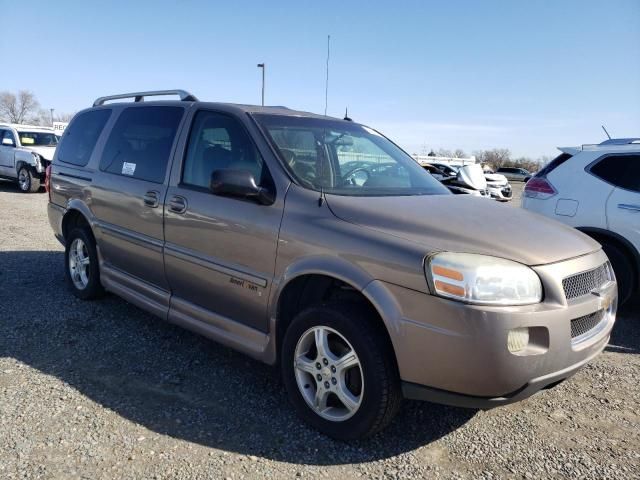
point(178, 204)
point(626, 206)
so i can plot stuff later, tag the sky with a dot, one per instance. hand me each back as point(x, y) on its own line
point(528, 76)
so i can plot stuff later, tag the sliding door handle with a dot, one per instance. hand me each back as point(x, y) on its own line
point(150, 199)
point(178, 204)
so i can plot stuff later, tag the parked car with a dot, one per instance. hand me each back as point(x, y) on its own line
point(365, 282)
point(435, 172)
point(25, 153)
point(469, 180)
point(497, 185)
point(514, 174)
point(596, 188)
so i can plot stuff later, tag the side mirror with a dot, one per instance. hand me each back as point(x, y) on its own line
point(7, 142)
point(240, 184)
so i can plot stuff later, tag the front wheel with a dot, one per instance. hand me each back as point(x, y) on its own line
point(340, 372)
point(27, 181)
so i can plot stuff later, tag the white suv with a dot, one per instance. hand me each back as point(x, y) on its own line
point(596, 188)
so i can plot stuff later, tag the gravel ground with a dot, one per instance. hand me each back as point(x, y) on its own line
point(104, 390)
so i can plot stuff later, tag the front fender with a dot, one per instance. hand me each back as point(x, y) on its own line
point(26, 157)
point(375, 291)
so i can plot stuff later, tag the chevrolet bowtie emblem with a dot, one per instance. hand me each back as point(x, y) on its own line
point(606, 294)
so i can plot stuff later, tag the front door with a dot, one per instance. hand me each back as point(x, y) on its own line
point(623, 205)
point(7, 152)
point(220, 251)
point(127, 199)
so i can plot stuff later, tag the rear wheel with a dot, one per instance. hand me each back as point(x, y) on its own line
point(81, 265)
point(340, 372)
point(27, 181)
point(621, 263)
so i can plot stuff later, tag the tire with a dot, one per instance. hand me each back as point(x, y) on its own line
point(82, 271)
point(621, 263)
point(27, 181)
point(374, 382)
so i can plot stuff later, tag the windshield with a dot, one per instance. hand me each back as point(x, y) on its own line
point(38, 139)
point(345, 158)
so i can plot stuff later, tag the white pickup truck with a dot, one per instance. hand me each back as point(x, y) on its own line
point(25, 153)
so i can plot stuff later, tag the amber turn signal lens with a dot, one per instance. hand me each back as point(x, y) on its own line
point(448, 273)
point(449, 288)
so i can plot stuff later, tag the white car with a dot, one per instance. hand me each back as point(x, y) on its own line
point(25, 153)
point(497, 184)
point(596, 188)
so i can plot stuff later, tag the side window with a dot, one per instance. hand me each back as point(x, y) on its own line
point(7, 134)
point(81, 137)
point(140, 142)
point(217, 142)
point(620, 170)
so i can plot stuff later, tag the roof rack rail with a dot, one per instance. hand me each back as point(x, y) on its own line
point(139, 96)
point(620, 141)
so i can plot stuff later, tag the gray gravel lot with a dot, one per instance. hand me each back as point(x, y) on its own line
point(105, 390)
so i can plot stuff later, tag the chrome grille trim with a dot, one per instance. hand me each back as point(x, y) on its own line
point(583, 283)
point(586, 326)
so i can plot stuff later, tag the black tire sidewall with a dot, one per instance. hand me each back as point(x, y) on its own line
point(622, 268)
point(361, 336)
point(34, 180)
point(94, 287)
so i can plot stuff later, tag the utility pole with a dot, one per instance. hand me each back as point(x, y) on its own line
point(326, 84)
point(262, 66)
point(51, 110)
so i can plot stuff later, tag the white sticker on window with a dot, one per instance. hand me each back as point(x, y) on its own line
point(128, 168)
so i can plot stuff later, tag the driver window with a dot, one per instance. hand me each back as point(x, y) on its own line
point(219, 142)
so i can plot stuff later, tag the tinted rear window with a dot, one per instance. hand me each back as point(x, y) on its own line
point(81, 136)
point(140, 142)
point(620, 170)
point(553, 164)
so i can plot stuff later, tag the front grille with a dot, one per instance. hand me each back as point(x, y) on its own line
point(583, 283)
point(582, 325)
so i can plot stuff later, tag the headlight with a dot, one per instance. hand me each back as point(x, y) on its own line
point(482, 279)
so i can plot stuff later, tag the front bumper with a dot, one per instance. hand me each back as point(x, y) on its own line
point(455, 353)
point(500, 193)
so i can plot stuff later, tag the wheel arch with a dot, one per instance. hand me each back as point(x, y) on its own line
point(602, 234)
point(77, 214)
point(317, 280)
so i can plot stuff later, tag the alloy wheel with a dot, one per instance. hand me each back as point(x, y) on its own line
point(328, 374)
point(79, 264)
point(23, 180)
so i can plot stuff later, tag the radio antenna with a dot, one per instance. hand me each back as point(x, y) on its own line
point(326, 84)
point(605, 130)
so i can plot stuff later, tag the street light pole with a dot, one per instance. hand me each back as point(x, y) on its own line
point(262, 66)
point(51, 110)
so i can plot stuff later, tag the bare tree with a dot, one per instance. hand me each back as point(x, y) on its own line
point(18, 108)
point(459, 153)
point(498, 157)
point(443, 152)
point(63, 117)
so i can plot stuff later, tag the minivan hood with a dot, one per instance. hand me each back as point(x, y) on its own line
point(462, 223)
point(44, 152)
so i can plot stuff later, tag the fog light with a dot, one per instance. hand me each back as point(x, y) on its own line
point(518, 339)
